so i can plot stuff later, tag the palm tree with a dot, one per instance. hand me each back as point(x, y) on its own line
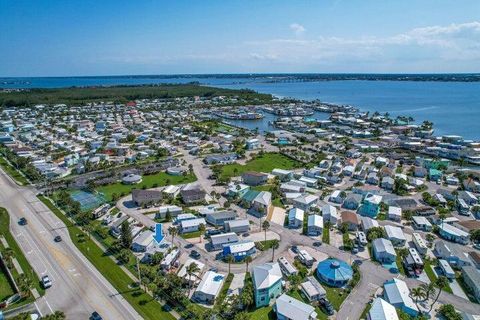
point(8, 254)
point(202, 229)
point(275, 244)
point(418, 294)
point(294, 282)
point(441, 283)
point(248, 260)
point(265, 227)
point(173, 232)
point(230, 259)
point(24, 284)
point(191, 269)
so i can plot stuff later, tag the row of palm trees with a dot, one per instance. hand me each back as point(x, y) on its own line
point(425, 291)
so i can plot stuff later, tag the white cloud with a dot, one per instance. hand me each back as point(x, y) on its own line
point(297, 28)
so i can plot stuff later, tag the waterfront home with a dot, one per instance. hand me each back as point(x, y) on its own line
point(193, 193)
point(195, 277)
point(421, 223)
point(237, 226)
point(237, 190)
point(305, 202)
point(312, 289)
point(283, 175)
point(352, 201)
point(396, 292)
point(453, 253)
point(239, 250)
point(394, 213)
point(383, 250)
point(295, 218)
point(351, 219)
point(219, 240)
point(267, 283)
point(261, 203)
point(395, 235)
point(336, 197)
point(330, 213)
point(218, 218)
point(371, 205)
point(173, 211)
point(191, 225)
point(253, 178)
point(253, 144)
point(455, 234)
point(288, 308)
point(471, 278)
point(382, 310)
point(368, 223)
point(146, 197)
point(209, 288)
point(315, 225)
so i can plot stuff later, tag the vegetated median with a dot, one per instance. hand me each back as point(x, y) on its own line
point(143, 303)
point(14, 251)
point(12, 172)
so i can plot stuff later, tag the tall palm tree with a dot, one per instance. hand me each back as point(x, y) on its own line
point(8, 254)
point(230, 259)
point(441, 283)
point(275, 245)
point(202, 229)
point(173, 232)
point(418, 294)
point(191, 269)
point(24, 284)
point(248, 260)
point(265, 227)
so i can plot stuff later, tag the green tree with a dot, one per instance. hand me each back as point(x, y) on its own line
point(173, 232)
point(475, 235)
point(192, 269)
point(230, 259)
point(202, 229)
point(417, 294)
point(265, 227)
point(248, 260)
point(375, 233)
point(441, 283)
point(275, 243)
point(126, 235)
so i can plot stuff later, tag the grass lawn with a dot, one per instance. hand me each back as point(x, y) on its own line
point(264, 245)
point(326, 236)
point(6, 289)
point(400, 265)
point(191, 235)
point(365, 311)
point(223, 292)
point(265, 163)
point(432, 276)
point(26, 267)
point(336, 296)
point(159, 179)
point(264, 313)
point(144, 304)
point(277, 201)
point(12, 172)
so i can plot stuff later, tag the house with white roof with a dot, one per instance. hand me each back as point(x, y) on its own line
point(368, 223)
point(421, 223)
point(336, 197)
point(453, 253)
point(383, 250)
point(142, 241)
point(394, 213)
point(396, 292)
point(239, 250)
point(195, 278)
point(209, 288)
point(191, 225)
point(382, 310)
point(267, 283)
point(305, 202)
point(284, 175)
point(261, 203)
point(453, 233)
point(237, 226)
point(288, 308)
point(395, 235)
point(331, 214)
point(295, 218)
point(315, 225)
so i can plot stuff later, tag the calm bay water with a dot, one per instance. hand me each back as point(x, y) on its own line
point(453, 107)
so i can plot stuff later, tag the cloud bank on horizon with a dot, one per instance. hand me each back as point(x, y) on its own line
point(160, 37)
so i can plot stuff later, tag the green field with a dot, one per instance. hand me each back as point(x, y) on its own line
point(12, 172)
point(6, 289)
point(144, 304)
point(150, 181)
point(265, 163)
point(18, 254)
point(432, 276)
point(79, 95)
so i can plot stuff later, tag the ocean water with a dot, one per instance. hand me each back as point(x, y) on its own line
point(453, 107)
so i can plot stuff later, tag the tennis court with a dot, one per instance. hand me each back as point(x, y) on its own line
point(88, 200)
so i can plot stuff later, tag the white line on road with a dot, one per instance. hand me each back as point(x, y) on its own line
point(38, 309)
point(48, 305)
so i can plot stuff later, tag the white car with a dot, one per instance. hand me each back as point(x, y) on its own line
point(46, 283)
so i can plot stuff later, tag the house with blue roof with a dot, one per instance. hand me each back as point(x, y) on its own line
point(334, 272)
point(239, 250)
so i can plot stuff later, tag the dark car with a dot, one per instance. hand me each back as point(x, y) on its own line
point(95, 316)
point(194, 254)
point(317, 244)
point(57, 239)
point(327, 306)
point(22, 221)
point(189, 245)
point(295, 249)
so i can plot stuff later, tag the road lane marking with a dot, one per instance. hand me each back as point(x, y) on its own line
point(38, 309)
point(48, 305)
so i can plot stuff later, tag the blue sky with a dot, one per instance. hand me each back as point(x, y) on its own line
point(62, 38)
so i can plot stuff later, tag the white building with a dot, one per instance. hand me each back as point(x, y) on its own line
point(288, 308)
point(209, 288)
point(315, 225)
point(395, 234)
point(382, 310)
point(330, 213)
point(191, 225)
point(295, 218)
point(395, 213)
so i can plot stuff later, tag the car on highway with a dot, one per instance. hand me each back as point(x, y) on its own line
point(46, 282)
point(194, 254)
point(96, 316)
point(22, 221)
point(57, 239)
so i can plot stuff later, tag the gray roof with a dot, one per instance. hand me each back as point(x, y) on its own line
point(292, 308)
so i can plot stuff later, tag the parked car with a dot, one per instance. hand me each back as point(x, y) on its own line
point(57, 239)
point(22, 221)
point(46, 282)
point(194, 254)
point(327, 306)
point(95, 316)
point(295, 249)
point(317, 244)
